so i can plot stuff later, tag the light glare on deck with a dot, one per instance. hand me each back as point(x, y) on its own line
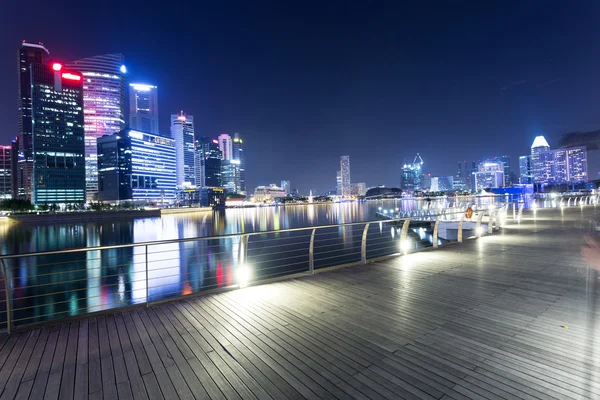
point(243, 275)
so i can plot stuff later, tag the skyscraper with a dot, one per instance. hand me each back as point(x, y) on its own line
point(338, 183)
point(182, 131)
point(560, 166)
point(143, 108)
point(345, 171)
point(211, 157)
point(537, 168)
point(14, 166)
point(226, 146)
point(412, 175)
point(238, 154)
point(103, 107)
point(31, 56)
point(5, 172)
point(525, 169)
point(285, 185)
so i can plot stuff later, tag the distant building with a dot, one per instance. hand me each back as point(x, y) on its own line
point(143, 108)
point(489, 179)
point(210, 157)
point(285, 185)
point(539, 145)
point(345, 172)
point(14, 166)
point(525, 173)
point(238, 154)
point(358, 189)
point(563, 166)
point(383, 192)
point(412, 175)
point(338, 183)
point(136, 166)
point(6, 178)
point(490, 166)
point(442, 183)
point(230, 176)
point(226, 146)
point(462, 179)
point(103, 107)
point(182, 132)
point(268, 193)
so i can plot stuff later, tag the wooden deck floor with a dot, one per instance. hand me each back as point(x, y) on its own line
point(504, 317)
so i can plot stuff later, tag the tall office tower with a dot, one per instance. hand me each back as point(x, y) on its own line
point(211, 158)
point(5, 172)
point(345, 170)
point(238, 154)
point(226, 146)
point(199, 164)
point(285, 185)
point(31, 56)
point(568, 165)
point(505, 160)
point(525, 170)
point(182, 131)
point(338, 183)
point(14, 166)
point(412, 175)
point(58, 135)
point(103, 107)
point(537, 168)
point(143, 108)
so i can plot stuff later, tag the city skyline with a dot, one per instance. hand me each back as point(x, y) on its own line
point(493, 94)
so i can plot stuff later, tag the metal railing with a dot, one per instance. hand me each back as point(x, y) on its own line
point(44, 286)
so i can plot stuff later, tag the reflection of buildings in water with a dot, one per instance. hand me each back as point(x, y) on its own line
point(310, 214)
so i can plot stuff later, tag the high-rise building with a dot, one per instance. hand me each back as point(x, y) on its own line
point(136, 166)
point(103, 107)
point(51, 164)
point(412, 175)
point(14, 167)
point(143, 108)
point(30, 57)
point(525, 170)
point(238, 154)
point(6, 179)
point(285, 185)
point(211, 157)
point(345, 171)
point(560, 166)
point(442, 183)
point(358, 189)
point(338, 183)
point(490, 165)
point(489, 179)
point(539, 145)
point(182, 131)
point(226, 146)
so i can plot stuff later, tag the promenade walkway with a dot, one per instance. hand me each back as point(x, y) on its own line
point(507, 316)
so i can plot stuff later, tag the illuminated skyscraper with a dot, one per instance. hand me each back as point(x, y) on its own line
point(143, 108)
point(5, 172)
point(562, 166)
point(537, 168)
point(345, 171)
point(182, 131)
point(238, 154)
point(412, 175)
point(525, 170)
point(226, 146)
point(285, 185)
point(210, 156)
point(103, 107)
point(338, 183)
point(30, 57)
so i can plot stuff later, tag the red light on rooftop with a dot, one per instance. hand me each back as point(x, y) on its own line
point(70, 76)
point(57, 66)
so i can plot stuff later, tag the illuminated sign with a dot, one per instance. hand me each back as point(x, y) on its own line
point(70, 76)
point(56, 66)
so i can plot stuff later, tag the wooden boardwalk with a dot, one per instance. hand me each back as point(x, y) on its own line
point(509, 316)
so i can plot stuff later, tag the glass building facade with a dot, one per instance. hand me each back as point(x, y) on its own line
point(143, 108)
point(6, 172)
point(103, 107)
point(345, 170)
point(412, 175)
point(560, 166)
point(182, 131)
point(210, 156)
point(136, 166)
point(525, 170)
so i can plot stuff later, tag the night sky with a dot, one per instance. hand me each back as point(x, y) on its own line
point(305, 82)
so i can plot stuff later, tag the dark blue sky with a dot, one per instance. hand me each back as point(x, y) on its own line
point(306, 82)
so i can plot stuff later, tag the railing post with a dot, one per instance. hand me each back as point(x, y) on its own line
point(435, 232)
point(363, 244)
point(8, 297)
point(311, 253)
point(460, 229)
point(478, 230)
point(404, 236)
point(147, 280)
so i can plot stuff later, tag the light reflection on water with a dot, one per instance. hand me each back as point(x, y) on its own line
point(67, 284)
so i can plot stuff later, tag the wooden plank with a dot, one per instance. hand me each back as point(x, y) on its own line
point(20, 366)
point(132, 362)
point(54, 380)
point(41, 378)
point(67, 385)
point(81, 370)
point(109, 386)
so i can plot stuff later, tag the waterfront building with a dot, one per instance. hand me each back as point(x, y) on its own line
point(285, 185)
point(525, 173)
point(538, 146)
point(230, 175)
point(412, 175)
point(345, 171)
point(14, 166)
point(489, 179)
point(559, 166)
point(136, 166)
point(30, 57)
point(238, 154)
point(268, 193)
point(51, 163)
point(6, 172)
point(143, 108)
point(103, 107)
point(210, 157)
point(358, 189)
point(338, 183)
point(232, 165)
point(182, 132)
point(442, 183)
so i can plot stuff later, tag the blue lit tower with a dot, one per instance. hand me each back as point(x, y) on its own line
point(412, 174)
point(537, 168)
point(103, 107)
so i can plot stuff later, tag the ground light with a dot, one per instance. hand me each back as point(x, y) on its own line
point(405, 245)
point(480, 230)
point(243, 275)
